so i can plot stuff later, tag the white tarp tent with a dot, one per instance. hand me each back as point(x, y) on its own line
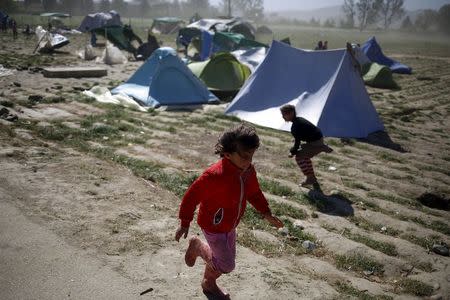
point(325, 87)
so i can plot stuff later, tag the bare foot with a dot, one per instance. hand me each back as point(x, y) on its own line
point(213, 291)
point(327, 149)
point(193, 251)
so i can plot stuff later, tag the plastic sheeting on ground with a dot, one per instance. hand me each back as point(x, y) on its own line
point(5, 72)
point(102, 94)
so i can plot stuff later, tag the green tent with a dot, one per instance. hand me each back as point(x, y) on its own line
point(229, 41)
point(222, 72)
point(379, 76)
point(120, 36)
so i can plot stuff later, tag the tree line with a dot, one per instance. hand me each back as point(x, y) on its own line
point(365, 13)
point(253, 9)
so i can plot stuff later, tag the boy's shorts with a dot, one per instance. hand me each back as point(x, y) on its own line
point(223, 249)
point(311, 149)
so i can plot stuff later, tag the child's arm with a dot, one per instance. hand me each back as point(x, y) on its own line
point(180, 232)
point(188, 205)
point(273, 220)
point(259, 202)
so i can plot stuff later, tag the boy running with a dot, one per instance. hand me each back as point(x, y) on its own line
point(303, 130)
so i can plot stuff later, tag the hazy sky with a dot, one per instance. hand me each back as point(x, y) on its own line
point(274, 5)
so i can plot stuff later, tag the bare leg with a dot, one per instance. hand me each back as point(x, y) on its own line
point(197, 248)
point(209, 284)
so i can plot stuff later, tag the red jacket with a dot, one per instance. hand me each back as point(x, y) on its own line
point(222, 192)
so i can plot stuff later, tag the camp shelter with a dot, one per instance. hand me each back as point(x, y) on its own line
point(121, 36)
point(324, 86)
point(379, 76)
point(3, 15)
point(99, 20)
point(47, 41)
point(210, 24)
point(229, 41)
point(222, 72)
point(373, 51)
point(200, 29)
point(243, 27)
point(263, 29)
point(251, 57)
point(167, 25)
point(165, 80)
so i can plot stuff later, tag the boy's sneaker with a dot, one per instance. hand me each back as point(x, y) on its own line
point(308, 182)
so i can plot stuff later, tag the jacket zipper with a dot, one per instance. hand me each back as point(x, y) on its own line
point(240, 200)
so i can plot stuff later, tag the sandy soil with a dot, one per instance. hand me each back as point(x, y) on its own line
point(108, 213)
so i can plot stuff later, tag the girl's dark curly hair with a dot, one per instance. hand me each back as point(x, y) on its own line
point(242, 137)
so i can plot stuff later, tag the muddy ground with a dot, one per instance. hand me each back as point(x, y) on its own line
point(107, 181)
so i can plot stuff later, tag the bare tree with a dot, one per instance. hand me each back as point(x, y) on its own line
point(390, 10)
point(444, 18)
point(407, 24)
point(253, 9)
point(105, 6)
point(368, 12)
point(427, 19)
point(349, 9)
point(118, 5)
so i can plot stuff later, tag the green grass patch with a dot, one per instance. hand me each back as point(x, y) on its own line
point(275, 188)
point(369, 226)
point(349, 290)
point(386, 156)
point(282, 209)
point(425, 242)
point(394, 199)
point(247, 239)
point(7, 103)
point(358, 263)
point(384, 247)
point(414, 287)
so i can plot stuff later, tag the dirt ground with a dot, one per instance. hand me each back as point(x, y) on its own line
point(106, 182)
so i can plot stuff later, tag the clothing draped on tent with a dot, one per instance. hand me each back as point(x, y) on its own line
point(165, 80)
point(373, 51)
point(324, 86)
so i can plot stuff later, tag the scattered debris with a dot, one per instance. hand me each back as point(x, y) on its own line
point(6, 115)
point(283, 231)
point(4, 71)
point(441, 249)
point(434, 201)
point(308, 245)
point(146, 291)
point(298, 224)
point(332, 168)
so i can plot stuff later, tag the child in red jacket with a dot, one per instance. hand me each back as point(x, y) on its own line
point(222, 192)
